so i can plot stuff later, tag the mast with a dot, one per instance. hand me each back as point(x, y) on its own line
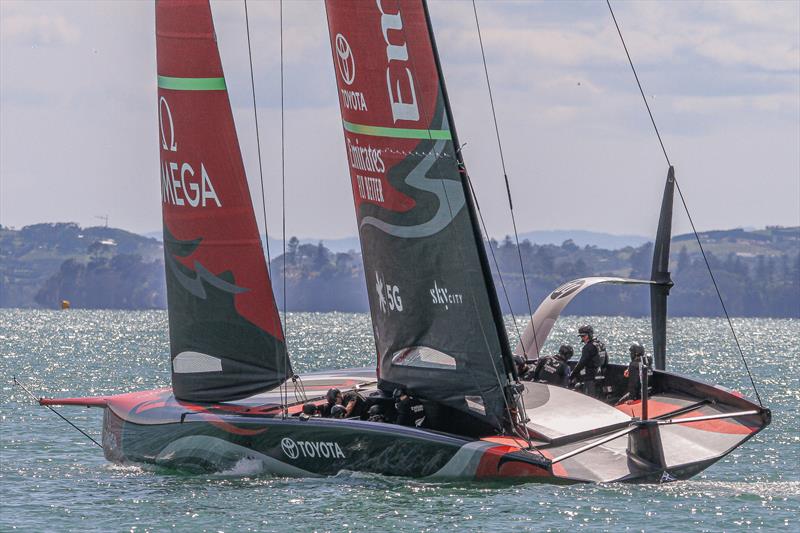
point(494, 302)
point(660, 274)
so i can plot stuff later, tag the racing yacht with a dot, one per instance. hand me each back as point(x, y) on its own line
point(438, 328)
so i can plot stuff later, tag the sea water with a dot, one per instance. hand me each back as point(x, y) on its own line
point(52, 478)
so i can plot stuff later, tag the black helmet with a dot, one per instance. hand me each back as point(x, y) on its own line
point(375, 410)
point(397, 393)
point(586, 330)
point(637, 350)
point(566, 352)
point(338, 411)
point(519, 360)
point(309, 409)
point(332, 394)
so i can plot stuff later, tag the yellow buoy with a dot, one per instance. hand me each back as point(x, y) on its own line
point(64, 304)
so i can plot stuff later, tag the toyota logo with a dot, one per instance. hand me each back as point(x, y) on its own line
point(345, 60)
point(289, 447)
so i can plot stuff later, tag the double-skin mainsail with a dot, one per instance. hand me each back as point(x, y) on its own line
point(226, 340)
point(437, 323)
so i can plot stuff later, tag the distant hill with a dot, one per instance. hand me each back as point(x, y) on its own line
point(608, 241)
point(345, 244)
point(772, 241)
point(758, 271)
point(96, 267)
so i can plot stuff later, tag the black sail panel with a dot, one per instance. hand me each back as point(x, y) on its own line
point(434, 325)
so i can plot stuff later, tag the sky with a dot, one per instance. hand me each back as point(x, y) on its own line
point(79, 130)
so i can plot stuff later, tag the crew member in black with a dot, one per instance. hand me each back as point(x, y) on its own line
point(554, 369)
point(309, 410)
point(589, 364)
point(333, 397)
point(376, 414)
point(633, 373)
point(409, 411)
point(524, 372)
point(355, 405)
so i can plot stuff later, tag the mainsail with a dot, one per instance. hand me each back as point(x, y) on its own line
point(437, 324)
point(226, 340)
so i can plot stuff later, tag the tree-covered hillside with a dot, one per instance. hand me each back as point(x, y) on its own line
point(96, 267)
point(758, 273)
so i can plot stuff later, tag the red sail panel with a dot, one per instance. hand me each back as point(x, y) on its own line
point(225, 331)
point(434, 326)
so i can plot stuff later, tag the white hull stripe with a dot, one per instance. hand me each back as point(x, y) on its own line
point(464, 463)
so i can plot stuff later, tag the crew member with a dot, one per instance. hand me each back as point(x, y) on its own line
point(554, 369)
point(376, 414)
point(590, 363)
point(524, 372)
point(309, 410)
point(355, 405)
point(409, 411)
point(338, 411)
point(333, 397)
point(633, 373)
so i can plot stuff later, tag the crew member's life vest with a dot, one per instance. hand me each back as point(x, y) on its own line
point(601, 359)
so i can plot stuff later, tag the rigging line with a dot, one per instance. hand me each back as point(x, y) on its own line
point(62, 417)
point(686, 208)
point(635, 75)
point(491, 252)
point(285, 389)
point(516, 327)
point(508, 186)
point(258, 139)
point(719, 294)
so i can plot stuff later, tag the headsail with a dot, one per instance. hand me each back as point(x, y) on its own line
point(660, 274)
point(226, 340)
point(437, 324)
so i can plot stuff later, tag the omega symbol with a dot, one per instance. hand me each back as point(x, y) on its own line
point(163, 109)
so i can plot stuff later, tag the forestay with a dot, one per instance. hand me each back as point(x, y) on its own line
point(433, 305)
point(226, 340)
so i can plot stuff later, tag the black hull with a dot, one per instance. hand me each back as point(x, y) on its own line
point(575, 438)
point(317, 447)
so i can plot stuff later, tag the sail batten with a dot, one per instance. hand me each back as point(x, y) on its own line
point(430, 302)
point(226, 339)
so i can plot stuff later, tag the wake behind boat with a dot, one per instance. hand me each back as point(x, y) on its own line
point(438, 328)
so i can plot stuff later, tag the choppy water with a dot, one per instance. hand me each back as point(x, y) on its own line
point(52, 478)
